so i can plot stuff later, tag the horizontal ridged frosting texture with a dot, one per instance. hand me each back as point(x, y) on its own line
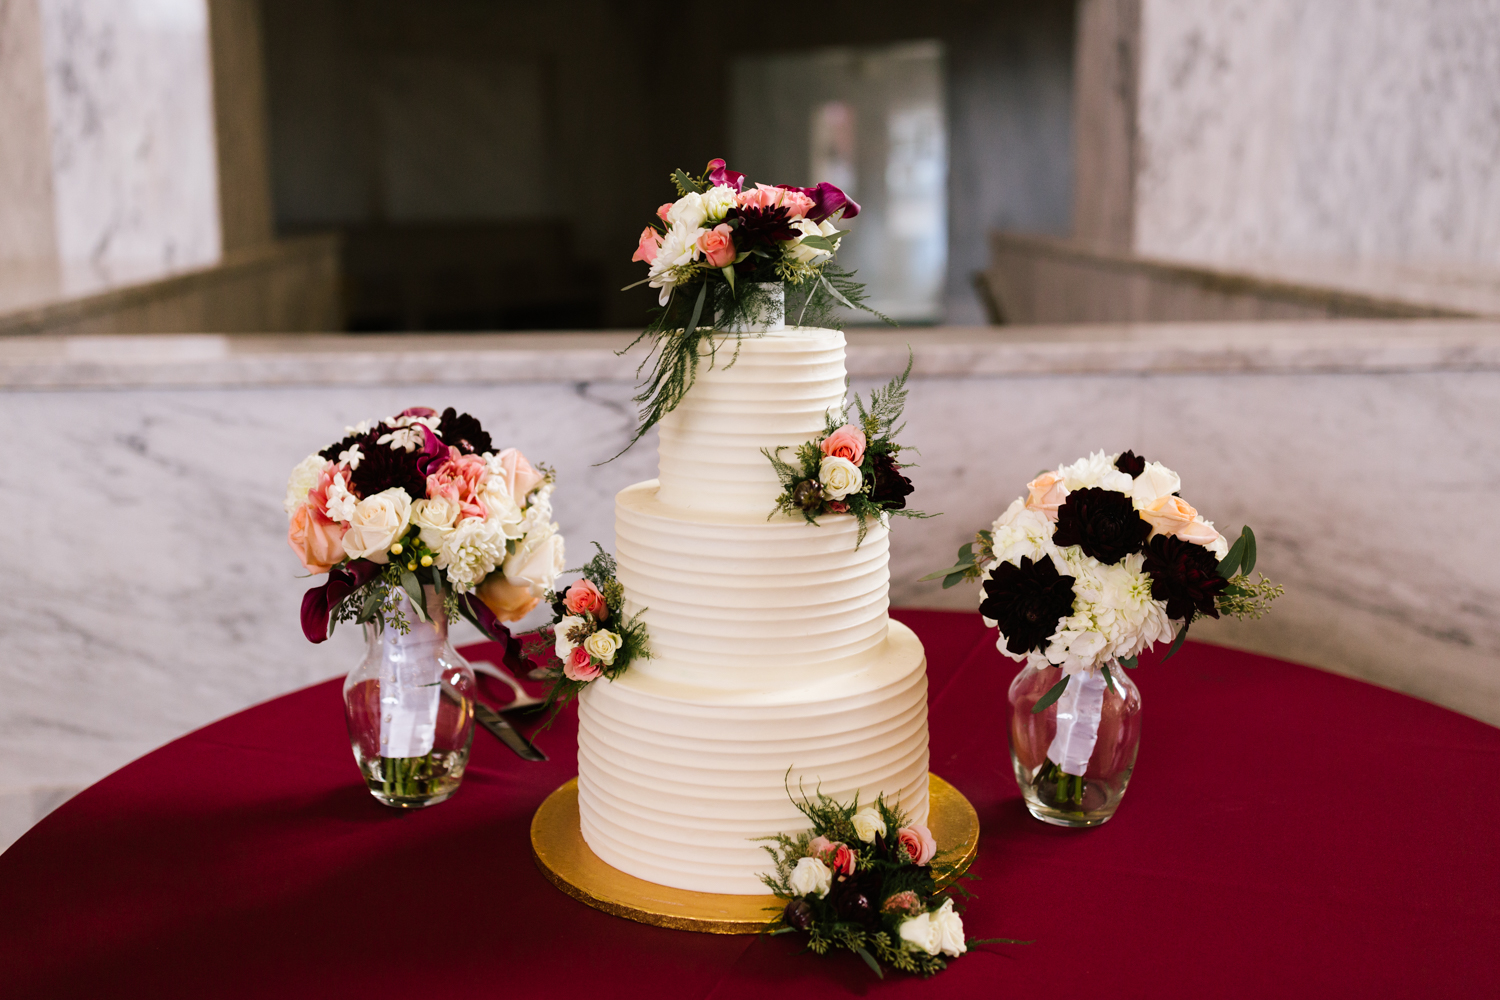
point(770, 390)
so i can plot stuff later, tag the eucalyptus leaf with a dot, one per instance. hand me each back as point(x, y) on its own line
point(1231, 560)
point(368, 609)
point(953, 579)
point(413, 588)
point(1053, 693)
point(684, 182)
point(818, 243)
point(1248, 537)
point(1177, 642)
point(1129, 662)
point(870, 961)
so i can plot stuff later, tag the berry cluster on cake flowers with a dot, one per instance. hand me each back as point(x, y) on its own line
point(422, 499)
point(853, 468)
point(868, 880)
point(714, 252)
point(1099, 561)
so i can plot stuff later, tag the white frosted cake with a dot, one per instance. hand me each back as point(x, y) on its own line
point(771, 645)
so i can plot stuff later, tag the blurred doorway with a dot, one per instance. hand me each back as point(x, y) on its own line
point(873, 121)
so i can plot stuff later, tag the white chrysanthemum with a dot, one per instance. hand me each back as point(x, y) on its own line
point(678, 247)
point(1114, 615)
point(303, 478)
point(717, 203)
point(1096, 470)
point(471, 552)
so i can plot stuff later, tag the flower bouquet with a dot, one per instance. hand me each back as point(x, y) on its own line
point(1098, 562)
point(418, 520)
point(852, 469)
point(866, 880)
point(730, 259)
point(592, 636)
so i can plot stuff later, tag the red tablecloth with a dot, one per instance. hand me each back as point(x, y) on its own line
point(1288, 833)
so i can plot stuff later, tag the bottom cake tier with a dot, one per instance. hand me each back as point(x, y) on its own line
point(676, 784)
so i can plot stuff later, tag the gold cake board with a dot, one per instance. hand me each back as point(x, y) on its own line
point(557, 844)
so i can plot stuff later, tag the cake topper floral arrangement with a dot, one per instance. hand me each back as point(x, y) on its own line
point(592, 637)
point(853, 468)
point(868, 880)
point(716, 253)
point(422, 499)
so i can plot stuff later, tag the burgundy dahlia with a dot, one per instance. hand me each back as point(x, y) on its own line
point(1027, 601)
point(464, 433)
point(383, 468)
point(763, 225)
point(1185, 575)
point(1131, 464)
point(1103, 523)
point(891, 488)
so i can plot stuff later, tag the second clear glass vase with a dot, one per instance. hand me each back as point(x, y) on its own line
point(1074, 758)
point(409, 706)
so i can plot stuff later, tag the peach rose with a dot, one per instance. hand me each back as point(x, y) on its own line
point(1047, 493)
point(583, 597)
point(717, 245)
point(846, 442)
point(317, 540)
point(918, 841)
point(517, 474)
point(1206, 535)
point(508, 601)
point(580, 666)
point(1169, 515)
point(661, 213)
point(650, 243)
point(460, 479)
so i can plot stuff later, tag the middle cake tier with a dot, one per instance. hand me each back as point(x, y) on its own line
point(739, 602)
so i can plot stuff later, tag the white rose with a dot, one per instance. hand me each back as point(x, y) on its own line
point(504, 515)
point(434, 518)
point(840, 477)
point(717, 203)
point(564, 645)
point(378, 521)
point(537, 560)
point(689, 211)
point(1011, 513)
point(1156, 480)
point(602, 646)
point(806, 254)
point(1098, 470)
point(304, 477)
point(919, 933)
point(811, 877)
point(950, 930)
point(868, 824)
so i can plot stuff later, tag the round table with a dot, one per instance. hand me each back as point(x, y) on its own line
point(1288, 833)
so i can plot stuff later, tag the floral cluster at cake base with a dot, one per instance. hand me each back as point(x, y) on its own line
point(1099, 561)
point(866, 879)
point(853, 468)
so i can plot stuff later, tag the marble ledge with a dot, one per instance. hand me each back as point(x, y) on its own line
point(250, 360)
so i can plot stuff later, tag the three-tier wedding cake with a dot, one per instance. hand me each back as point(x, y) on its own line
point(774, 664)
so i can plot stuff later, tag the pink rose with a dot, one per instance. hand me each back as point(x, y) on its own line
point(318, 541)
point(661, 213)
point(717, 245)
point(918, 841)
point(517, 474)
point(1046, 494)
point(766, 196)
point(838, 506)
point(580, 666)
point(650, 243)
point(842, 861)
point(819, 846)
point(584, 598)
point(846, 442)
point(796, 202)
point(460, 479)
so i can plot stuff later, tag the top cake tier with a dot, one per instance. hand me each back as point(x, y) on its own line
point(774, 393)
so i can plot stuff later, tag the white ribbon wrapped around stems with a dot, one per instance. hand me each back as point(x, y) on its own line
point(1079, 711)
point(410, 681)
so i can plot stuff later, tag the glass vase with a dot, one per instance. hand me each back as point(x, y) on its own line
point(1073, 759)
point(410, 710)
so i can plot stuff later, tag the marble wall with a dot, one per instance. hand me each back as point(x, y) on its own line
point(1321, 129)
point(149, 588)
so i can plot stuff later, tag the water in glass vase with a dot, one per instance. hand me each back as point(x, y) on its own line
point(410, 710)
point(1073, 759)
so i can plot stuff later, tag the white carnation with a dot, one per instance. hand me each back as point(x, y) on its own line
point(717, 203)
point(1098, 470)
point(304, 477)
point(471, 552)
